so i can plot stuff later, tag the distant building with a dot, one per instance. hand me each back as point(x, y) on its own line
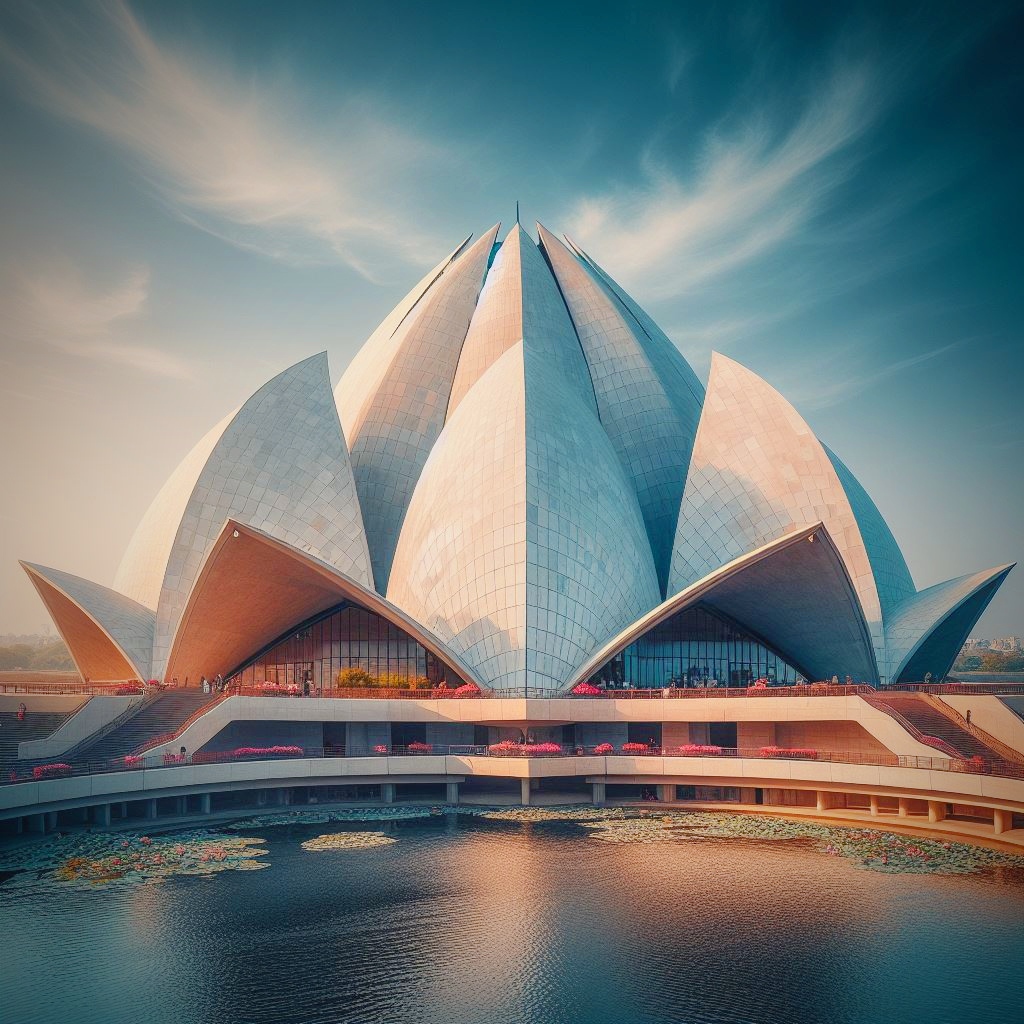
point(1007, 644)
point(974, 644)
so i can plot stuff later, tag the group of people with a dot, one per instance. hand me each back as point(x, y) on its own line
point(215, 685)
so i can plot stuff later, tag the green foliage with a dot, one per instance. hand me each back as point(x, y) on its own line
point(990, 661)
point(24, 657)
point(359, 678)
point(356, 678)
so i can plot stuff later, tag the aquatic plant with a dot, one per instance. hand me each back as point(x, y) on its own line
point(347, 841)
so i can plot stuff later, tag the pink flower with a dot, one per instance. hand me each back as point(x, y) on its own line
point(585, 690)
point(604, 749)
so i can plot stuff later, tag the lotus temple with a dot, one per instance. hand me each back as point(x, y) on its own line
point(519, 553)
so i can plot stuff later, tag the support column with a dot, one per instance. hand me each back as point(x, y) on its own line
point(903, 807)
point(205, 803)
point(149, 809)
point(35, 823)
point(387, 792)
point(524, 786)
point(281, 797)
point(1002, 821)
point(182, 806)
point(101, 815)
point(873, 804)
point(51, 820)
point(452, 793)
point(124, 808)
point(936, 811)
point(822, 803)
point(666, 794)
point(598, 788)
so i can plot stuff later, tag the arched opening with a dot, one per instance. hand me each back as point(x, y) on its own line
point(347, 645)
point(698, 646)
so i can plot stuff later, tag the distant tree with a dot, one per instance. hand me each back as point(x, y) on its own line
point(15, 656)
point(967, 663)
point(52, 655)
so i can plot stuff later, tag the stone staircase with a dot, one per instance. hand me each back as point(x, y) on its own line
point(163, 714)
point(932, 721)
point(36, 725)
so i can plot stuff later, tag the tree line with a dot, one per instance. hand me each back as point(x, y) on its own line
point(25, 657)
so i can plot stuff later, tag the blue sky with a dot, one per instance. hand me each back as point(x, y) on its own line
point(196, 195)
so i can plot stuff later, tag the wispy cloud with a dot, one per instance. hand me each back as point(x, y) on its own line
point(755, 188)
point(844, 375)
point(226, 153)
point(679, 57)
point(57, 309)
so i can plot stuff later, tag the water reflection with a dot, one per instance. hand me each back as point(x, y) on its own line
point(475, 921)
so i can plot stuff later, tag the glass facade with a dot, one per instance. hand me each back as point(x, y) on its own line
point(696, 647)
point(347, 637)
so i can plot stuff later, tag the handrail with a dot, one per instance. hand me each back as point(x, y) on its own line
point(959, 689)
point(129, 713)
point(169, 737)
point(973, 766)
point(937, 742)
point(986, 738)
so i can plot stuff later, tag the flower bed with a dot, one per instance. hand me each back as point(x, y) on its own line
point(277, 690)
point(380, 748)
point(281, 751)
point(804, 753)
point(635, 748)
point(460, 692)
point(585, 690)
point(129, 690)
point(506, 748)
point(604, 749)
point(133, 760)
point(419, 748)
point(698, 750)
point(51, 771)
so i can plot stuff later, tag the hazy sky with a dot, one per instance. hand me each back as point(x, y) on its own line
point(196, 195)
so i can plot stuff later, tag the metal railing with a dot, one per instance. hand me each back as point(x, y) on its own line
point(974, 766)
point(985, 738)
point(174, 734)
point(929, 741)
point(960, 689)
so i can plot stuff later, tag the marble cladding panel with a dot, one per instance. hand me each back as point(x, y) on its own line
point(403, 419)
point(460, 564)
point(589, 572)
point(757, 469)
point(280, 466)
point(127, 622)
point(648, 412)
